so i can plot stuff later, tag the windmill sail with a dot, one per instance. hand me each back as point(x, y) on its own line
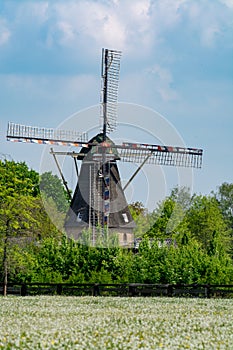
point(110, 82)
point(49, 136)
point(155, 154)
point(161, 155)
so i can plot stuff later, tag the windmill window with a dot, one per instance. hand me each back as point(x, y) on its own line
point(125, 217)
point(100, 174)
point(79, 217)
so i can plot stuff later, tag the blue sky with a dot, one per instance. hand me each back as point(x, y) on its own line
point(176, 59)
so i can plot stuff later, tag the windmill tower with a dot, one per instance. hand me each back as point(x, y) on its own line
point(99, 199)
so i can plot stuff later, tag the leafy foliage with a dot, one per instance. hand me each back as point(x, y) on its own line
point(140, 216)
point(205, 221)
point(199, 227)
point(16, 178)
point(51, 188)
point(224, 197)
point(23, 218)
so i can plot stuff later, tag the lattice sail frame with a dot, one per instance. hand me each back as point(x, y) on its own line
point(161, 155)
point(110, 83)
point(156, 154)
point(49, 136)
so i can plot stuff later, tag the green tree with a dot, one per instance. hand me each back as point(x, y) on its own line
point(17, 179)
point(12, 222)
point(20, 210)
point(22, 220)
point(137, 209)
point(168, 220)
point(206, 223)
point(141, 218)
point(51, 187)
point(182, 196)
point(224, 196)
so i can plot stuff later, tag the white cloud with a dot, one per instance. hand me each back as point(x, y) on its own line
point(4, 33)
point(210, 20)
point(32, 11)
point(228, 3)
point(167, 13)
point(136, 27)
point(68, 34)
point(164, 80)
point(100, 24)
point(210, 35)
point(151, 87)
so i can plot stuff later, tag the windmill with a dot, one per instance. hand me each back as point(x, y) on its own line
point(99, 199)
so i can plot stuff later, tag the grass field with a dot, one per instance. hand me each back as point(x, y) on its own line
point(45, 322)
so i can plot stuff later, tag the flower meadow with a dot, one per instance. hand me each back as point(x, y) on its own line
point(58, 322)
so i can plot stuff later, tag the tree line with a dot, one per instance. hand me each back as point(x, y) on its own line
point(32, 249)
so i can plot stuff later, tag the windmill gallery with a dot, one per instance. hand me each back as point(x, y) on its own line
point(99, 199)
